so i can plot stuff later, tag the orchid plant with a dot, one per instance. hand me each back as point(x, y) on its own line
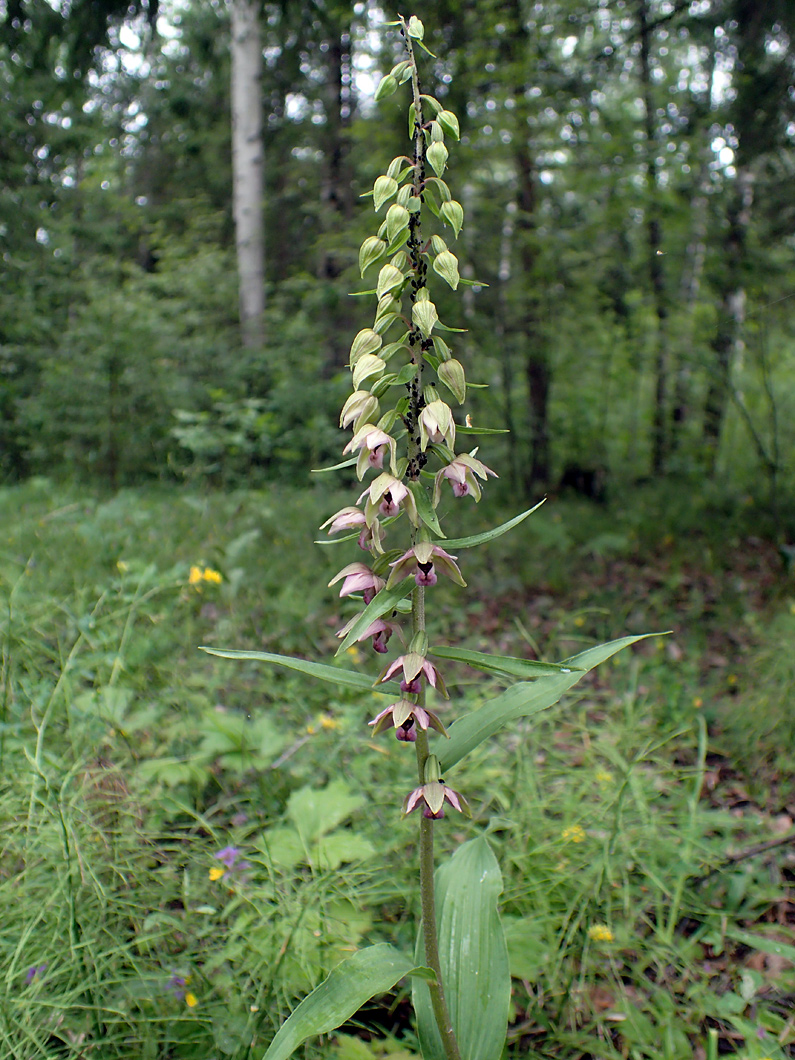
point(403, 443)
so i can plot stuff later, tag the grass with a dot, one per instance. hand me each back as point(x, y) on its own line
point(645, 901)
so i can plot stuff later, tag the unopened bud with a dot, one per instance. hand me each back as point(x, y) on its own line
point(386, 87)
point(452, 375)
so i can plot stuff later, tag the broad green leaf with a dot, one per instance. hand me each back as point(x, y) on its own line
point(489, 535)
point(383, 601)
point(366, 974)
point(473, 957)
point(501, 664)
point(523, 700)
point(333, 674)
point(316, 811)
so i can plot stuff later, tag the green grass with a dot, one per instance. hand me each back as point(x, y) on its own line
point(130, 759)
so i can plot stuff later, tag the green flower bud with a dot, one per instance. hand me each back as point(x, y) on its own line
point(453, 213)
point(424, 316)
point(383, 190)
point(388, 278)
point(365, 342)
point(449, 123)
point(437, 244)
point(446, 265)
point(401, 72)
point(415, 28)
point(452, 375)
point(437, 155)
point(397, 218)
point(437, 133)
point(386, 87)
point(367, 367)
point(369, 252)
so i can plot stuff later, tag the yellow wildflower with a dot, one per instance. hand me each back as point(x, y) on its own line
point(574, 834)
point(698, 702)
point(311, 730)
point(122, 567)
point(579, 621)
point(327, 722)
point(213, 576)
point(354, 653)
point(216, 873)
point(191, 1000)
point(600, 933)
point(195, 576)
point(603, 777)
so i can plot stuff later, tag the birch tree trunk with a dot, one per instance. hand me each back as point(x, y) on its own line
point(247, 168)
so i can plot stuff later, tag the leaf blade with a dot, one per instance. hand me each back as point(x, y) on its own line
point(523, 700)
point(383, 601)
point(369, 972)
point(490, 535)
point(473, 955)
point(501, 664)
point(333, 674)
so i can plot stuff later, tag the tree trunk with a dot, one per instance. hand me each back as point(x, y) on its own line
point(654, 244)
point(731, 316)
point(247, 168)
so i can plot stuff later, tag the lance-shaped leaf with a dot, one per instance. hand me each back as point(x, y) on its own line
point(383, 602)
point(369, 252)
point(522, 700)
point(446, 265)
point(333, 674)
point(388, 278)
point(473, 957)
point(370, 972)
point(425, 508)
point(367, 341)
point(424, 316)
point(367, 367)
point(453, 213)
point(497, 531)
point(383, 190)
point(502, 664)
point(437, 155)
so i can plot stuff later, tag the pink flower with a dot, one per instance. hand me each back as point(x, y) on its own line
point(379, 630)
point(403, 715)
point(437, 425)
point(350, 518)
point(462, 473)
point(413, 665)
point(420, 561)
point(345, 519)
point(434, 795)
point(386, 495)
point(358, 578)
point(372, 443)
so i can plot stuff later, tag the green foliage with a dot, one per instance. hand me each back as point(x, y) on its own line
point(128, 756)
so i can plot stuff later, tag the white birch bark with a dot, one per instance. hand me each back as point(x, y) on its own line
point(247, 167)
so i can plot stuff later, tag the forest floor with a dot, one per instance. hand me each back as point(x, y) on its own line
point(645, 825)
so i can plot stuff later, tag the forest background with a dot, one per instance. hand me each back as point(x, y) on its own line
point(626, 171)
point(172, 364)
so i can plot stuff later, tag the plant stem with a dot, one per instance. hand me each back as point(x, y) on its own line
point(428, 904)
point(415, 464)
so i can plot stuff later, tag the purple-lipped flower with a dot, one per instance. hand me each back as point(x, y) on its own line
point(358, 578)
point(34, 971)
point(432, 797)
point(414, 666)
point(422, 561)
point(462, 473)
point(380, 631)
point(403, 715)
